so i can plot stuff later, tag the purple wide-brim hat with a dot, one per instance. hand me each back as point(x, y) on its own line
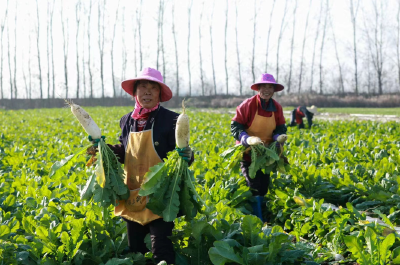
point(149, 74)
point(267, 79)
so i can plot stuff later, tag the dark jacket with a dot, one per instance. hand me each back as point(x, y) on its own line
point(163, 122)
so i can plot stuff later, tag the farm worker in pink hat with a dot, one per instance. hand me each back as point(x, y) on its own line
point(261, 118)
point(148, 134)
point(300, 112)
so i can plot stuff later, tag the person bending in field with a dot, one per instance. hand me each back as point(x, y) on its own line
point(148, 134)
point(299, 113)
point(262, 117)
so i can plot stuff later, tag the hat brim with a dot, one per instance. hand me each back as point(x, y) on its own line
point(166, 92)
point(278, 87)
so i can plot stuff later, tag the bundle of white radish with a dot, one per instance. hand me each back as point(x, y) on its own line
point(266, 158)
point(105, 184)
point(170, 185)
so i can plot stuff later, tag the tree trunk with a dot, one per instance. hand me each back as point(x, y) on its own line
point(292, 47)
point(188, 47)
point(315, 45)
point(9, 61)
point(254, 40)
point(269, 34)
point(397, 42)
point(89, 54)
point(212, 48)
point(65, 49)
point(38, 49)
point(279, 41)
point(162, 40)
point(48, 49)
point(322, 48)
point(83, 53)
point(200, 55)
point(124, 55)
point(78, 19)
point(176, 49)
point(226, 48)
point(341, 90)
point(15, 53)
point(304, 45)
point(52, 49)
point(237, 51)
point(158, 32)
point(101, 43)
point(140, 35)
point(112, 53)
point(353, 14)
point(3, 23)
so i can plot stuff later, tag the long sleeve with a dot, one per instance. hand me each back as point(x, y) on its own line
point(237, 129)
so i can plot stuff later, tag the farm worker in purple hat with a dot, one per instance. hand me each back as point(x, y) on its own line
point(148, 134)
point(259, 117)
point(300, 112)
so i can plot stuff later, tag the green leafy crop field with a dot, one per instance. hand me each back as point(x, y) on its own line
point(350, 165)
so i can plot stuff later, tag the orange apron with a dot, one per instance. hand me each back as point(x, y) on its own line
point(262, 127)
point(140, 155)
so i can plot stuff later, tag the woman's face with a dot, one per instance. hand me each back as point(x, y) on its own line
point(148, 94)
point(266, 91)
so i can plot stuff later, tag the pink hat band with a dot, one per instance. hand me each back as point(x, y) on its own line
point(149, 74)
point(267, 79)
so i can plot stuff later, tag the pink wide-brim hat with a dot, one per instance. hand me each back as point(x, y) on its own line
point(267, 79)
point(151, 75)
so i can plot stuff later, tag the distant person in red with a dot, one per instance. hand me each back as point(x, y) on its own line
point(299, 113)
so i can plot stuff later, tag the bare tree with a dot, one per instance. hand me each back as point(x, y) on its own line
point(135, 38)
point(158, 31)
point(38, 49)
point(162, 39)
point(237, 50)
point(353, 13)
point(254, 40)
point(378, 43)
point(139, 22)
point(176, 49)
point(188, 47)
point(83, 51)
point(24, 75)
point(304, 45)
point(48, 48)
point(29, 67)
point(212, 47)
point(200, 55)
point(52, 48)
point(292, 46)
point(89, 54)
point(341, 91)
point(124, 53)
point(65, 49)
point(78, 20)
point(315, 45)
point(9, 60)
point(3, 23)
point(226, 48)
point(269, 34)
point(112, 52)
point(322, 47)
point(280, 39)
point(15, 52)
point(100, 28)
point(398, 41)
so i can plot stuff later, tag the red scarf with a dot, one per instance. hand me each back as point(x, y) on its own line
point(142, 114)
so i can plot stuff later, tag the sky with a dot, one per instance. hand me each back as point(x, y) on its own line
point(214, 15)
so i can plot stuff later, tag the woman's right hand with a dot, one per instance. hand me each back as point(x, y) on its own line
point(254, 140)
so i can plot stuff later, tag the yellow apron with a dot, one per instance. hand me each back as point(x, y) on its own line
point(140, 155)
point(262, 127)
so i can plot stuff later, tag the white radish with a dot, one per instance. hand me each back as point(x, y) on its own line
point(85, 120)
point(282, 138)
point(338, 257)
point(253, 140)
point(182, 130)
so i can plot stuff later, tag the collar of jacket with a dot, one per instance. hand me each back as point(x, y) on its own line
point(268, 106)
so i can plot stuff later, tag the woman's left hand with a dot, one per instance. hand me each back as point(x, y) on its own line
point(185, 153)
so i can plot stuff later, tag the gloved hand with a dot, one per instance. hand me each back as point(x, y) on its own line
point(275, 138)
point(247, 140)
point(185, 153)
point(95, 142)
point(243, 139)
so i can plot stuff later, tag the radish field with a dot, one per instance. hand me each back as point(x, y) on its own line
point(342, 173)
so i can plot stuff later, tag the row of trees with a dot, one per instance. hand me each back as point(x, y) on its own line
point(85, 48)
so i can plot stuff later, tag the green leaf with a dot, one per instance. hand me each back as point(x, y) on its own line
point(153, 179)
point(384, 252)
point(396, 256)
point(355, 246)
point(172, 195)
point(370, 238)
point(222, 253)
point(251, 228)
point(4, 231)
point(67, 162)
